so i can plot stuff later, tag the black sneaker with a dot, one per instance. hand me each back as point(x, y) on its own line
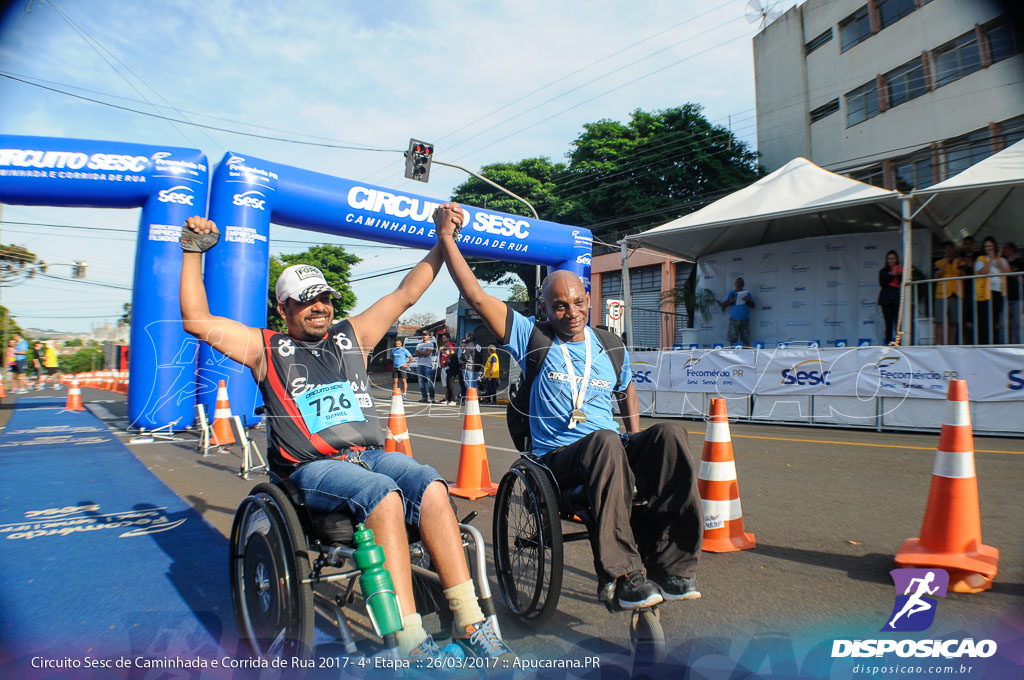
point(677, 587)
point(635, 591)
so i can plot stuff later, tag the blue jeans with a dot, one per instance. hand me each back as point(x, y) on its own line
point(469, 379)
point(358, 484)
point(426, 374)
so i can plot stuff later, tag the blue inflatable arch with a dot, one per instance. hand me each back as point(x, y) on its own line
point(248, 193)
point(169, 184)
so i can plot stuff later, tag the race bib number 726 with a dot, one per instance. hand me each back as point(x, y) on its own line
point(325, 406)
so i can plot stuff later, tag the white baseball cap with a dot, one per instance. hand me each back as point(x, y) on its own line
point(302, 282)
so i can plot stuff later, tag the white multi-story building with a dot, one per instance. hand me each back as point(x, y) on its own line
point(898, 93)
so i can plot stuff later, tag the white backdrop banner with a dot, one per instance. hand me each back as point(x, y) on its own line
point(822, 290)
point(992, 374)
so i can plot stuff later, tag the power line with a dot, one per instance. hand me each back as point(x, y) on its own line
point(199, 125)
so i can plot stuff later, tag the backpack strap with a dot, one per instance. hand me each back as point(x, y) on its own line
point(616, 352)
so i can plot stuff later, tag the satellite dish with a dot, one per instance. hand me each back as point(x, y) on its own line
point(762, 11)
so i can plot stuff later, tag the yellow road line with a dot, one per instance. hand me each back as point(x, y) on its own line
point(839, 443)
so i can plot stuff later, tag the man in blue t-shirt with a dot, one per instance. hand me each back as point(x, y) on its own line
point(573, 429)
point(401, 359)
point(739, 302)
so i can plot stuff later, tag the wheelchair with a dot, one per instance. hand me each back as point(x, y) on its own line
point(529, 509)
point(287, 564)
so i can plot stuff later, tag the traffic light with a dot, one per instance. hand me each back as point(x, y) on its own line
point(417, 160)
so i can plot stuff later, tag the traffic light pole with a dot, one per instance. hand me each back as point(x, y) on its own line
point(533, 211)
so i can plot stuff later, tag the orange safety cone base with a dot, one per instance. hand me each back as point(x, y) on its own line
point(473, 494)
point(743, 541)
point(969, 572)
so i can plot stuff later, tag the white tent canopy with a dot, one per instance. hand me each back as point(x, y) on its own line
point(985, 199)
point(798, 200)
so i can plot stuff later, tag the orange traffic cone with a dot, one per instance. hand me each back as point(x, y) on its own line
point(951, 531)
point(397, 438)
point(474, 476)
point(74, 402)
point(222, 433)
point(718, 487)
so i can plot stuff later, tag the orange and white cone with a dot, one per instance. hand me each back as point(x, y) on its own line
point(951, 531)
point(397, 438)
point(718, 487)
point(474, 477)
point(74, 402)
point(222, 432)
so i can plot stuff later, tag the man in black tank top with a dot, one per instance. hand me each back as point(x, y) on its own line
point(324, 434)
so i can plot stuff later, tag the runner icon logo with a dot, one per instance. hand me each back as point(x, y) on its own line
point(913, 609)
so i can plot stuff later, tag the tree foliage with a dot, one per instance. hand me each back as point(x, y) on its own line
point(621, 177)
point(534, 180)
point(85, 359)
point(17, 263)
point(335, 263)
point(418, 319)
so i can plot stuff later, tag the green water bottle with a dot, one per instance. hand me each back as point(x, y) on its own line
point(378, 589)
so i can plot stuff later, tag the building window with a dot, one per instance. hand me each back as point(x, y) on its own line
point(906, 82)
point(818, 41)
point(855, 28)
point(862, 103)
point(891, 11)
point(1002, 40)
point(645, 279)
point(1012, 131)
point(872, 175)
point(825, 110)
point(963, 152)
point(956, 59)
point(611, 285)
point(914, 172)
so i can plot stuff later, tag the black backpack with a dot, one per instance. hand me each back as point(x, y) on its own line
point(517, 414)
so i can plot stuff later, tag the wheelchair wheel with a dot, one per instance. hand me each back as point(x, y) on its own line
point(269, 560)
point(528, 543)
point(647, 636)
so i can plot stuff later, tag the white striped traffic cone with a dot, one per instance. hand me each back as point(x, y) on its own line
point(397, 438)
point(951, 531)
point(719, 489)
point(222, 432)
point(474, 477)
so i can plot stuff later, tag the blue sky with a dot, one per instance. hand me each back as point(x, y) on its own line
point(486, 82)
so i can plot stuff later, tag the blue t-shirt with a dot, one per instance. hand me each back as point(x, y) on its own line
point(399, 356)
point(551, 396)
point(738, 310)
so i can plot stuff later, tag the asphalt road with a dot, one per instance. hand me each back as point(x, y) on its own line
point(829, 509)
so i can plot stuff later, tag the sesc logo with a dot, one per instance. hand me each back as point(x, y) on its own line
point(806, 377)
point(1016, 379)
point(643, 377)
point(583, 259)
point(250, 199)
point(177, 195)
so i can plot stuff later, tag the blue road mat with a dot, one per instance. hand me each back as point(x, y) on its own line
point(97, 556)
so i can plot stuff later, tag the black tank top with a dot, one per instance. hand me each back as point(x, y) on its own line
point(317, 398)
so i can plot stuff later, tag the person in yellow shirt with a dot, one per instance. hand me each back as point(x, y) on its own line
point(50, 363)
point(947, 296)
point(492, 371)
